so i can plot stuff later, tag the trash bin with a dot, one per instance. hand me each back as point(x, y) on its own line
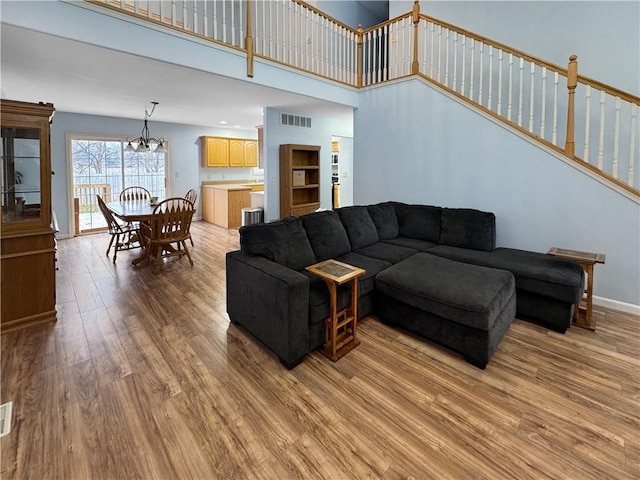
point(252, 215)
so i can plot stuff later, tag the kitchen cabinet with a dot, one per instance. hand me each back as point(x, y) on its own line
point(222, 204)
point(299, 179)
point(228, 152)
point(27, 237)
point(215, 151)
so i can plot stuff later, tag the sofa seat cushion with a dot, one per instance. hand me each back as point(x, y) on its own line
point(373, 266)
point(386, 251)
point(385, 219)
point(416, 244)
point(326, 234)
point(467, 294)
point(538, 273)
point(468, 228)
point(359, 226)
point(284, 242)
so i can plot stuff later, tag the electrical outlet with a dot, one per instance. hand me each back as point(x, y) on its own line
point(273, 177)
point(344, 174)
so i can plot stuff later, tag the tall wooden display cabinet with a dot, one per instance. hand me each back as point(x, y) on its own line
point(27, 236)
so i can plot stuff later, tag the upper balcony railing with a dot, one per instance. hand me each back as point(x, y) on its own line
point(591, 123)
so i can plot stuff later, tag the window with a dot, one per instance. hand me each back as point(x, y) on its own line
point(100, 166)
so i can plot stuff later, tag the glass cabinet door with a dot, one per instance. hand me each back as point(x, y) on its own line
point(21, 175)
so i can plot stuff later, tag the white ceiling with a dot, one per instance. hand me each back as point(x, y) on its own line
point(81, 78)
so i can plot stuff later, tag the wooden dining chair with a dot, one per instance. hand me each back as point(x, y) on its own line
point(125, 237)
point(192, 196)
point(134, 193)
point(168, 230)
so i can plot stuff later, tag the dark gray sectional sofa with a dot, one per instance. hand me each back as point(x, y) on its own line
point(431, 270)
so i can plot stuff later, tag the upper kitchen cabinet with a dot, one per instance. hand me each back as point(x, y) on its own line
point(215, 151)
point(27, 234)
point(229, 152)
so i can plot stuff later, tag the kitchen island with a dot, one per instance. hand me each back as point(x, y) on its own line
point(222, 203)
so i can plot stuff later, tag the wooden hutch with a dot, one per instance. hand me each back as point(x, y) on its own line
point(27, 237)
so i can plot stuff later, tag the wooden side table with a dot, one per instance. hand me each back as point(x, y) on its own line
point(340, 326)
point(582, 316)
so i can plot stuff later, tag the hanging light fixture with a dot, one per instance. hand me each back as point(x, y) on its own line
point(144, 141)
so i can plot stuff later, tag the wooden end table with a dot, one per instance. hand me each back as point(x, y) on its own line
point(340, 327)
point(582, 317)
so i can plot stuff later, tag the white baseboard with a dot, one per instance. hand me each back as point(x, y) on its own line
point(616, 305)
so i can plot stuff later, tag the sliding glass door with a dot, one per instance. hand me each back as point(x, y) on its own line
point(100, 166)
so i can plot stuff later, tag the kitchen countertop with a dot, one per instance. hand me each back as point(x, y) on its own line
point(231, 186)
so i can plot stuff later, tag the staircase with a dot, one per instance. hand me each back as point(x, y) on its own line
point(586, 122)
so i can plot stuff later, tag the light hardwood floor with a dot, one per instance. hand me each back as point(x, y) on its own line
point(144, 377)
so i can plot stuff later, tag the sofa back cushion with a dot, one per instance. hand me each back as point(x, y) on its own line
point(327, 235)
point(467, 228)
point(360, 228)
point(385, 219)
point(418, 221)
point(284, 242)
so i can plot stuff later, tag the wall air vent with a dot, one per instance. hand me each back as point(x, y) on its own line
point(291, 120)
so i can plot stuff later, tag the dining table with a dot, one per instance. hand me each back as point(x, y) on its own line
point(134, 211)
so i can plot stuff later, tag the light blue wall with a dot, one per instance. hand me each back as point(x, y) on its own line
point(434, 151)
point(604, 34)
point(349, 12)
point(276, 135)
point(184, 154)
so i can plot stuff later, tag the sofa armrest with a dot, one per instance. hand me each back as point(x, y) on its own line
point(272, 302)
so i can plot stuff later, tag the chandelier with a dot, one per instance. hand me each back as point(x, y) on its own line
point(144, 141)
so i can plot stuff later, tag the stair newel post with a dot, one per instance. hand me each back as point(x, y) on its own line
point(415, 65)
point(359, 41)
point(248, 42)
point(572, 82)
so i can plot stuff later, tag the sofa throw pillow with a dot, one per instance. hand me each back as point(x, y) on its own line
point(327, 235)
point(360, 228)
point(385, 219)
point(418, 221)
point(468, 228)
point(284, 242)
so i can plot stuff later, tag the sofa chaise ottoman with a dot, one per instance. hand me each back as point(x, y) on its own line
point(464, 307)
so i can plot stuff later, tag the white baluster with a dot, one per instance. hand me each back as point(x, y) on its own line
point(385, 60)
point(601, 137)
point(446, 58)
point(205, 18)
point(173, 13)
point(464, 62)
point(531, 93)
point(632, 146)
point(616, 139)
point(543, 101)
point(184, 15)
point(554, 132)
point(489, 97)
point(510, 97)
point(587, 123)
point(499, 107)
point(161, 18)
point(215, 20)
point(455, 61)
point(473, 49)
point(424, 50)
point(521, 92)
point(433, 26)
point(224, 21)
point(481, 73)
point(241, 19)
point(195, 18)
point(439, 52)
